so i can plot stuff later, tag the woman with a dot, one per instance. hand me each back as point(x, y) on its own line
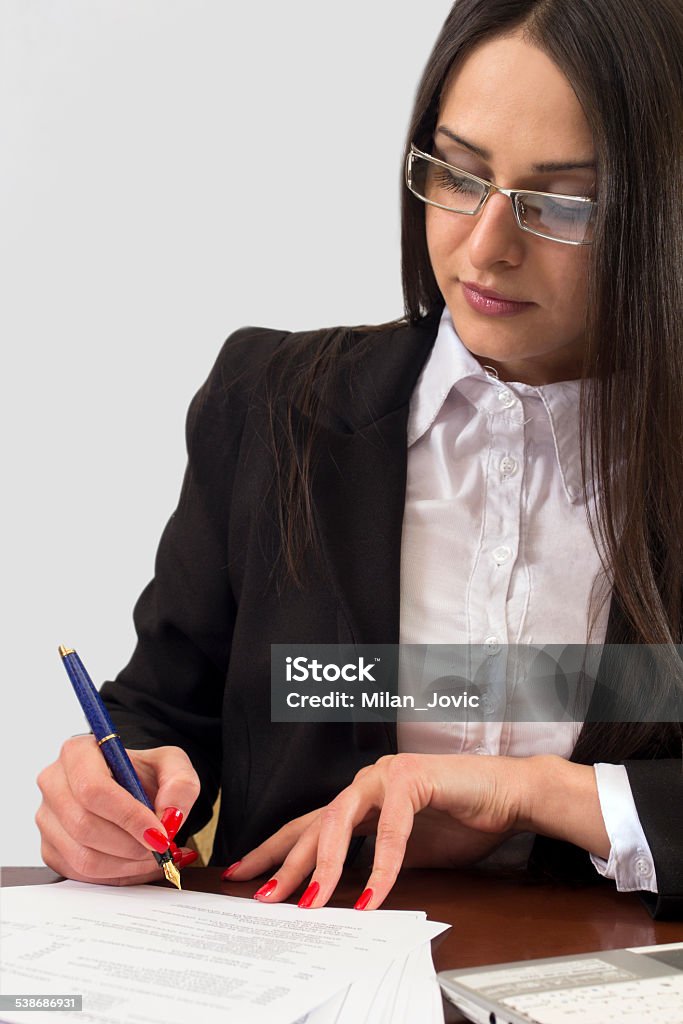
point(423, 482)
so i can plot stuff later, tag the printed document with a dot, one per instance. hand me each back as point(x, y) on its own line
point(151, 955)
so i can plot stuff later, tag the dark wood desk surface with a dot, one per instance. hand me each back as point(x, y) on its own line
point(494, 918)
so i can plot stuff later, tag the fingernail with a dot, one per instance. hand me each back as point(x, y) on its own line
point(172, 819)
point(187, 858)
point(363, 900)
point(155, 839)
point(309, 895)
point(266, 890)
point(229, 871)
point(177, 855)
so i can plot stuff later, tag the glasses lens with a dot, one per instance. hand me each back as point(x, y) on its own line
point(568, 219)
point(445, 186)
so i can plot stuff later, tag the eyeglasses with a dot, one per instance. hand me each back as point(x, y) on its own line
point(558, 217)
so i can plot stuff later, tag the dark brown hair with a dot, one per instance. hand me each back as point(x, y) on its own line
point(624, 60)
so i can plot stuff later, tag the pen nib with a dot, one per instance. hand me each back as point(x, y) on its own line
point(172, 874)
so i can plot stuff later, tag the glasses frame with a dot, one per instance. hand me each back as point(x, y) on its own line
point(511, 193)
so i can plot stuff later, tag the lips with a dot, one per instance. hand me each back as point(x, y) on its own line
point(489, 302)
point(491, 293)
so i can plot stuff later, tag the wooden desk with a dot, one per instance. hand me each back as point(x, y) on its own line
point(495, 918)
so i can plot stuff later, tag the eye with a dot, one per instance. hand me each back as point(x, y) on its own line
point(554, 215)
point(452, 181)
point(567, 210)
point(558, 210)
point(446, 179)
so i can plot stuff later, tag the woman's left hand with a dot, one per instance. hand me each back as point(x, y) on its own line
point(440, 810)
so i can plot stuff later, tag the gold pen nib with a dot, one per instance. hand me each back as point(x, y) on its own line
point(172, 873)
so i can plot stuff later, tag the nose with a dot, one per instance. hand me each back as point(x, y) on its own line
point(495, 235)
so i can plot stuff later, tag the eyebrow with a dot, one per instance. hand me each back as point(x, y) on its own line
point(544, 168)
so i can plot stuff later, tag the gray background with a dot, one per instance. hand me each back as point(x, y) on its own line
point(171, 170)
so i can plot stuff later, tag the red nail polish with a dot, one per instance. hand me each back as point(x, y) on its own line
point(172, 819)
point(309, 895)
point(177, 856)
point(266, 890)
point(172, 847)
point(187, 858)
point(363, 900)
point(229, 871)
point(155, 839)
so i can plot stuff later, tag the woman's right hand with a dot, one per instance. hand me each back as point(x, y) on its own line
point(92, 829)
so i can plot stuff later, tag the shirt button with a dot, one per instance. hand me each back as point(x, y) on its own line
point(642, 866)
point(508, 466)
point(487, 705)
point(501, 554)
point(491, 644)
point(506, 399)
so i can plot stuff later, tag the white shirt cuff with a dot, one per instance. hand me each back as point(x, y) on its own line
point(630, 861)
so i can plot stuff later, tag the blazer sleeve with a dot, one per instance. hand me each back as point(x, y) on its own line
point(657, 787)
point(171, 691)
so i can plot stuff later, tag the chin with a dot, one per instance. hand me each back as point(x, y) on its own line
point(493, 340)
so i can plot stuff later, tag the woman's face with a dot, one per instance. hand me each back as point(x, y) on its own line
point(511, 108)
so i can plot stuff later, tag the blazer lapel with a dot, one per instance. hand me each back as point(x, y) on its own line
point(359, 494)
point(359, 478)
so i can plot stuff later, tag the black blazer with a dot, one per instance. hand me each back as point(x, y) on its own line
point(199, 677)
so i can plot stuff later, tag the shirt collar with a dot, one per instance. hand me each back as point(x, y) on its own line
point(450, 364)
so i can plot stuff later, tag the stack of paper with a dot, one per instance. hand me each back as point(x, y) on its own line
point(158, 956)
point(406, 991)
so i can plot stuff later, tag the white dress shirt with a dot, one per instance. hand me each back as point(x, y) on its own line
point(496, 550)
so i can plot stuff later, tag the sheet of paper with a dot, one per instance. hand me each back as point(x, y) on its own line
point(422, 1001)
point(148, 955)
point(406, 991)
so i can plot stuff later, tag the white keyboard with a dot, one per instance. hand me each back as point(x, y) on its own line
point(646, 1001)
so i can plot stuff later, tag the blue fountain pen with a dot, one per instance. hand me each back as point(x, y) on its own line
point(111, 746)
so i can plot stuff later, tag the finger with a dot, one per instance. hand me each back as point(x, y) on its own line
point(337, 822)
point(183, 856)
point(178, 784)
point(96, 791)
point(172, 819)
point(296, 867)
point(393, 831)
point(72, 860)
point(84, 827)
point(270, 853)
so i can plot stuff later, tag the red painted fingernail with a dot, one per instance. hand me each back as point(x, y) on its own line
point(177, 855)
point(172, 847)
point(363, 900)
point(309, 895)
point(187, 858)
point(266, 890)
point(229, 871)
point(155, 839)
point(172, 819)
